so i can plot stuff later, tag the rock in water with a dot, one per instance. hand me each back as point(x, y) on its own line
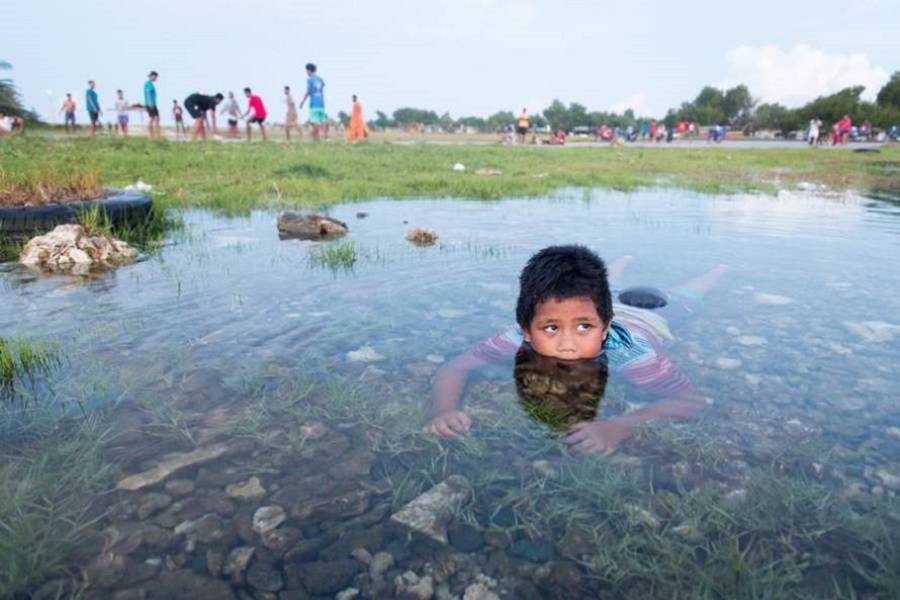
point(873, 331)
point(366, 354)
point(251, 489)
point(429, 513)
point(70, 248)
point(267, 518)
point(421, 236)
point(167, 467)
point(309, 227)
point(771, 299)
point(643, 296)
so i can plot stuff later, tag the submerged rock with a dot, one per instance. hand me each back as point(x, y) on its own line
point(429, 513)
point(365, 354)
point(70, 248)
point(322, 577)
point(379, 565)
point(264, 576)
point(771, 299)
point(310, 226)
point(175, 463)
point(251, 489)
point(727, 364)
point(237, 560)
point(533, 550)
point(267, 518)
point(421, 236)
point(410, 585)
point(873, 331)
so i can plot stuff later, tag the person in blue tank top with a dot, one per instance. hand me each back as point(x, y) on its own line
point(92, 104)
point(151, 105)
point(315, 92)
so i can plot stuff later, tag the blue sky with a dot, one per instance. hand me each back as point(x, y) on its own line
point(462, 56)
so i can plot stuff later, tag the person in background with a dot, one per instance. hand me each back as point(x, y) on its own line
point(232, 112)
point(178, 115)
point(651, 131)
point(522, 126)
point(198, 106)
point(151, 105)
point(357, 131)
point(844, 127)
point(92, 105)
point(121, 107)
point(814, 126)
point(315, 92)
point(256, 111)
point(291, 118)
point(68, 107)
point(10, 125)
point(645, 129)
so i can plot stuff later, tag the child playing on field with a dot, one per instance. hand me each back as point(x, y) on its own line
point(565, 314)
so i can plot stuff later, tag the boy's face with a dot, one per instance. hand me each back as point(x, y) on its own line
point(569, 329)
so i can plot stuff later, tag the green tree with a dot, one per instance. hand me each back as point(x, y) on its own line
point(446, 122)
point(343, 118)
point(737, 104)
point(499, 120)
point(889, 95)
point(10, 101)
point(777, 117)
point(832, 108)
point(556, 114)
point(382, 120)
point(474, 122)
point(413, 116)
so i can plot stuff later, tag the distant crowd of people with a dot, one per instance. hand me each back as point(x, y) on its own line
point(843, 131)
point(204, 108)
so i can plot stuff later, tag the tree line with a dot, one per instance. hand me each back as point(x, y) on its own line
point(735, 107)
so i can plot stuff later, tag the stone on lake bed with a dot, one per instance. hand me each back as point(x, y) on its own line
point(727, 364)
point(429, 513)
point(533, 550)
point(366, 354)
point(309, 226)
point(174, 463)
point(873, 331)
point(421, 236)
point(251, 489)
point(237, 560)
point(752, 340)
point(379, 565)
point(267, 518)
point(771, 299)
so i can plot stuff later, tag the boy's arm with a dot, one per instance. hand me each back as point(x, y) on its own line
point(447, 420)
point(305, 96)
point(658, 376)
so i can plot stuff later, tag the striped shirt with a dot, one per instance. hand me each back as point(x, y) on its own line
point(633, 347)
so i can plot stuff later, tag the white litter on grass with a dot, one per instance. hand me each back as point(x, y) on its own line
point(459, 167)
point(139, 186)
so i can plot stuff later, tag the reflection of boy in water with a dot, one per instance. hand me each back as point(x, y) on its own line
point(565, 312)
point(559, 393)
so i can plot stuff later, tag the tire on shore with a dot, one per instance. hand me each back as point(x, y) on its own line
point(121, 207)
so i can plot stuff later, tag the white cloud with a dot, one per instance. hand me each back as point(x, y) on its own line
point(797, 75)
point(637, 102)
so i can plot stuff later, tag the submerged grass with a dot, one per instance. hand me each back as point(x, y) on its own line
point(46, 490)
point(236, 178)
point(22, 361)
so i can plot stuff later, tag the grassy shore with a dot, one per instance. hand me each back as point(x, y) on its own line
point(238, 177)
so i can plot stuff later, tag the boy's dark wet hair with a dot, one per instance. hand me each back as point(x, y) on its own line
point(311, 67)
point(562, 272)
point(247, 90)
point(219, 96)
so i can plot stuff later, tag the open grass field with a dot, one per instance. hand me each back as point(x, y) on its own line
point(236, 177)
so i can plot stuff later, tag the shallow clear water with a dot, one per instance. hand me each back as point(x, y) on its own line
point(229, 334)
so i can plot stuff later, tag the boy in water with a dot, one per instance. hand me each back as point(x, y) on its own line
point(256, 111)
point(565, 313)
point(315, 91)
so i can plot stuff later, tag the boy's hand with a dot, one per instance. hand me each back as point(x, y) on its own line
point(600, 436)
point(449, 424)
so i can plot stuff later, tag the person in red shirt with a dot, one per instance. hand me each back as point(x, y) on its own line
point(256, 113)
point(653, 131)
point(845, 125)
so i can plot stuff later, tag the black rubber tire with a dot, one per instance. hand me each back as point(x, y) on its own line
point(120, 206)
point(643, 296)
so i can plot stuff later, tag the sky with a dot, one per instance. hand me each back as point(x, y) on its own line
point(467, 57)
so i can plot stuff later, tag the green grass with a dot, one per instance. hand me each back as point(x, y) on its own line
point(22, 361)
point(335, 256)
point(236, 178)
point(145, 234)
point(40, 182)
